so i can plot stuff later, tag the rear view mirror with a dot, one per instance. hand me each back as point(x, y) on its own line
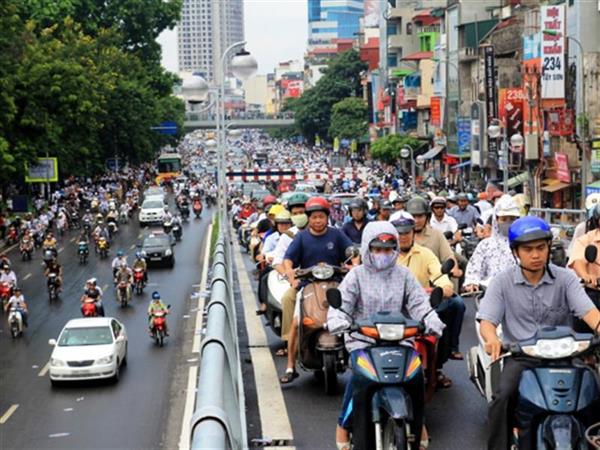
point(352, 252)
point(591, 253)
point(52, 342)
point(334, 298)
point(448, 235)
point(437, 296)
point(448, 266)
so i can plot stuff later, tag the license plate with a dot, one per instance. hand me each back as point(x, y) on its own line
point(83, 372)
point(156, 259)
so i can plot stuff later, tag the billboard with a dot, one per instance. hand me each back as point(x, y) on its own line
point(436, 111)
point(372, 9)
point(45, 171)
point(510, 110)
point(553, 51)
point(490, 95)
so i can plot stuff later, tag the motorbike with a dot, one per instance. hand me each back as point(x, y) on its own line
point(83, 251)
point(168, 226)
point(123, 217)
point(52, 286)
point(159, 326)
point(176, 231)
point(87, 226)
point(12, 236)
point(185, 211)
point(138, 281)
point(49, 255)
point(210, 201)
point(88, 308)
point(15, 322)
point(5, 293)
point(102, 247)
point(112, 227)
point(469, 241)
point(75, 222)
point(388, 379)
point(26, 248)
point(123, 293)
point(38, 238)
point(197, 207)
point(277, 285)
point(560, 397)
point(558, 249)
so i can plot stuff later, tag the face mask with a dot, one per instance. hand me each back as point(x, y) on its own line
point(503, 229)
point(383, 260)
point(300, 220)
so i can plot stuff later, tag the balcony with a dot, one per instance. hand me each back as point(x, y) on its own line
point(467, 54)
point(395, 13)
point(395, 41)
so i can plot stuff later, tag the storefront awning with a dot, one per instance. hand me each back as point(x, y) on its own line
point(518, 180)
point(552, 185)
point(432, 152)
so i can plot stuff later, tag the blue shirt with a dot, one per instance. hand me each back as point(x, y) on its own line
point(307, 250)
point(353, 233)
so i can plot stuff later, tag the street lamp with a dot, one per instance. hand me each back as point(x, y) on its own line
point(496, 130)
point(408, 152)
point(580, 125)
point(195, 89)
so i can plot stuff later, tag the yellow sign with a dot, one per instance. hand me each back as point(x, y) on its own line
point(45, 171)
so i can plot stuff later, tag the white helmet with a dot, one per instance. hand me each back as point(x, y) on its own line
point(591, 200)
point(506, 206)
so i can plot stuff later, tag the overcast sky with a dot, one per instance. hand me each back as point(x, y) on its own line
point(276, 30)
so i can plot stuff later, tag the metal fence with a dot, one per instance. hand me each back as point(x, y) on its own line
point(561, 218)
point(219, 421)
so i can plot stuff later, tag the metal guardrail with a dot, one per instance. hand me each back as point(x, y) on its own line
point(219, 421)
point(578, 215)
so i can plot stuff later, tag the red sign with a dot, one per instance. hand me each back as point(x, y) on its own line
point(560, 122)
point(510, 110)
point(562, 167)
point(436, 111)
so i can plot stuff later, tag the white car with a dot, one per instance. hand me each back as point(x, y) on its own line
point(88, 348)
point(152, 211)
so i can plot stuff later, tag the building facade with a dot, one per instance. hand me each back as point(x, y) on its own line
point(206, 29)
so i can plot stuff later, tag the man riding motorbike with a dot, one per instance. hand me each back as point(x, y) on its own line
point(49, 243)
point(54, 267)
point(353, 229)
point(378, 284)
point(464, 213)
point(140, 263)
point(117, 262)
point(93, 292)
point(319, 243)
point(156, 306)
point(524, 298)
point(440, 219)
point(18, 301)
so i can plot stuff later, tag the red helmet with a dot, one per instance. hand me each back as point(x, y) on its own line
point(317, 204)
point(269, 200)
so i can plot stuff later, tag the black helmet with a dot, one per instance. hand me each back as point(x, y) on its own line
point(384, 240)
point(357, 203)
point(417, 205)
point(386, 205)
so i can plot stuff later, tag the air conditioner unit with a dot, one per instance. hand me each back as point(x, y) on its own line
point(532, 151)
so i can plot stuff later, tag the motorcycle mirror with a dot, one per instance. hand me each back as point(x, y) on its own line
point(334, 298)
point(168, 306)
point(437, 295)
point(591, 253)
point(352, 252)
point(448, 266)
point(52, 342)
point(448, 235)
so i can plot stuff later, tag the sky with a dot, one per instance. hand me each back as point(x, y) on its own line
point(276, 31)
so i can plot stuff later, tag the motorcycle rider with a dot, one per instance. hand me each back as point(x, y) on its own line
point(524, 298)
point(318, 243)
point(583, 227)
point(49, 242)
point(440, 219)
point(296, 206)
point(156, 305)
point(119, 260)
point(385, 210)
point(93, 292)
point(5, 260)
point(464, 213)
point(54, 267)
point(140, 263)
point(18, 301)
point(8, 276)
point(353, 229)
point(398, 203)
point(124, 275)
point(375, 285)
point(493, 254)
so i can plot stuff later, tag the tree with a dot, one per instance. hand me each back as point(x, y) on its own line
point(387, 148)
point(349, 119)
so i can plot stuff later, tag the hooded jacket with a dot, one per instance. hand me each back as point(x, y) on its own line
point(367, 290)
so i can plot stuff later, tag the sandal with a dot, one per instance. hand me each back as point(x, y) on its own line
point(289, 376)
point(281, 352)
point(456, 356)
point(443, 382)
point(343, 445)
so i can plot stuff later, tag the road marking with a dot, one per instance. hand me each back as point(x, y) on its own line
point(140, 236)
point(271, 405)
point(60, 249)
point(190, 403)
point(8, 413)
point(44, 370)
point(201, 300)
point(26, 277)
point(104, 288)
point(132, 247)
point(72, 239)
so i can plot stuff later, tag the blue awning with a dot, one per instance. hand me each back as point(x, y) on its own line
point(461, 165)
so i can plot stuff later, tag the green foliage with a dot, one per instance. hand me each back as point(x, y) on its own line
point(387, 148)
point(349, 119)
point(341, 79)
point(78, 87)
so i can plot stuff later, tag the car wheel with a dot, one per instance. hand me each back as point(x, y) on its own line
point(54, 383)
point(172, 263)
point(124, 362)
point(115, 378)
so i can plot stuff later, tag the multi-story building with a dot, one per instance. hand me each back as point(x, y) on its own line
point(206, 29)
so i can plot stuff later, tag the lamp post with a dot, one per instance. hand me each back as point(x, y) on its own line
point(408, 152)
point(495, 131)
point(580, 124)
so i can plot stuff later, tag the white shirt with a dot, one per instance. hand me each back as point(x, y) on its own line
point(17, 302)
point(448, 223)
point(9, 277)
point(282, 246)
point(270, 243)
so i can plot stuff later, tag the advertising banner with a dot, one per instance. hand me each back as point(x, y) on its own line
point(436, 111)
point(491, 104)
point(596, 156)
point(510, 110)
point(464, 134)
point(562, 167)
point(553, 51)
point(45, 171)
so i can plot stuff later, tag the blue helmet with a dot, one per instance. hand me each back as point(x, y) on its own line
point(528, 229)
point(155, 295)
point(138, 255)
point(120, 253)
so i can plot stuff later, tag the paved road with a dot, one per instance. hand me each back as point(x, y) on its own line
point(455, 416)
point(131, 414)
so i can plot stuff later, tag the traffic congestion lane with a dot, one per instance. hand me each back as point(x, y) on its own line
point(130, 414)
point(456, 417)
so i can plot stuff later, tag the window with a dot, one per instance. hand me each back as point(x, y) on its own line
point(392, 29)
point(409, 28)
point(392, 60)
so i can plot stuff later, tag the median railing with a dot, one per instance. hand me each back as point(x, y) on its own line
point(560, 218)
point(219, 421)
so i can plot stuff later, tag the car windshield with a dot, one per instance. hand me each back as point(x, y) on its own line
point(71, 337)
point(152, 204)
point(156, 241)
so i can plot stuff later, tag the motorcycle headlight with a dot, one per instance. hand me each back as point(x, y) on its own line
point(390, 332)
point(323, 272)
point(56, 362)
point(555, 348)
point(105, 360)
point(168, 252)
